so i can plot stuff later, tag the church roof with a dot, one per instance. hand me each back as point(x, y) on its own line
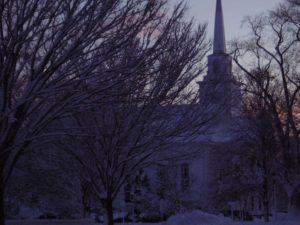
point(219, 35)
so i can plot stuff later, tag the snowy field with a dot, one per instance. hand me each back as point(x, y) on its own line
point(53, 222)
point(201, 218)
point(193, 218)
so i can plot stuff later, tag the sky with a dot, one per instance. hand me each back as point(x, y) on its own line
point(234, 12)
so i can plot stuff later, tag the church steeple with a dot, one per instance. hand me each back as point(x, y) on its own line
point(219, 35)
point(218, 89)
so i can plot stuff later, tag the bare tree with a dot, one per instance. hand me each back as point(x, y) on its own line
point(273, 66)
point(294, 2)
point(250, 170)
point(146, 111)
point(50, 54)
point(257, 160)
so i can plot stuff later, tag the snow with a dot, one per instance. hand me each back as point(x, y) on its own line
point(192, 218)
point(202, 218)
point(197, 218)
point(50, 222)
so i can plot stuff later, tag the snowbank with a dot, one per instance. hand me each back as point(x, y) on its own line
point(197, 218)
point(50, 222)
point(202, 218)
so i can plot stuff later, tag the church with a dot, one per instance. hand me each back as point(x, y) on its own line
point(192, 182)
point(201, 180)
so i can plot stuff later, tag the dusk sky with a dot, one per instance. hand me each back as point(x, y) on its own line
point(234, 12)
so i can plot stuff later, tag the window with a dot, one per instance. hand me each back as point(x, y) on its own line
point(161, 181)
point(259, 205)
point(185, 176)
point(127, 193)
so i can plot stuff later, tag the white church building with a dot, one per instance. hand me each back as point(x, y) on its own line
point(194, 182)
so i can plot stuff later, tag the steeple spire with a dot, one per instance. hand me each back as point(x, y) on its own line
point(219, 87)
point(219, 35)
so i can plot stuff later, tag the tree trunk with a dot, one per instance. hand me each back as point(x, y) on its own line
point(266, 210)
point(84, 213)
point(109, 211)
point(297, 151)
point(2, 215)
point(266, 202)
point(86, 207)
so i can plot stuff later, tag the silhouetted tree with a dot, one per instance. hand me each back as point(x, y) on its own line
point(51, 53)
point(152, 106)
point(272, 67)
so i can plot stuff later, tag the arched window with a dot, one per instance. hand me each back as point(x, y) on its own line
point(127, 193)
point(185, 176)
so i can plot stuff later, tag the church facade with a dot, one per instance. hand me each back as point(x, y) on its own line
point(197, 182)
point(192, 181)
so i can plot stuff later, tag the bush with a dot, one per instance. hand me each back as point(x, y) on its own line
point(47, 216)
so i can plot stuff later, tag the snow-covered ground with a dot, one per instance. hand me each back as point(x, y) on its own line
point(201, 218)
point(51, 222)
point(192, 218)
